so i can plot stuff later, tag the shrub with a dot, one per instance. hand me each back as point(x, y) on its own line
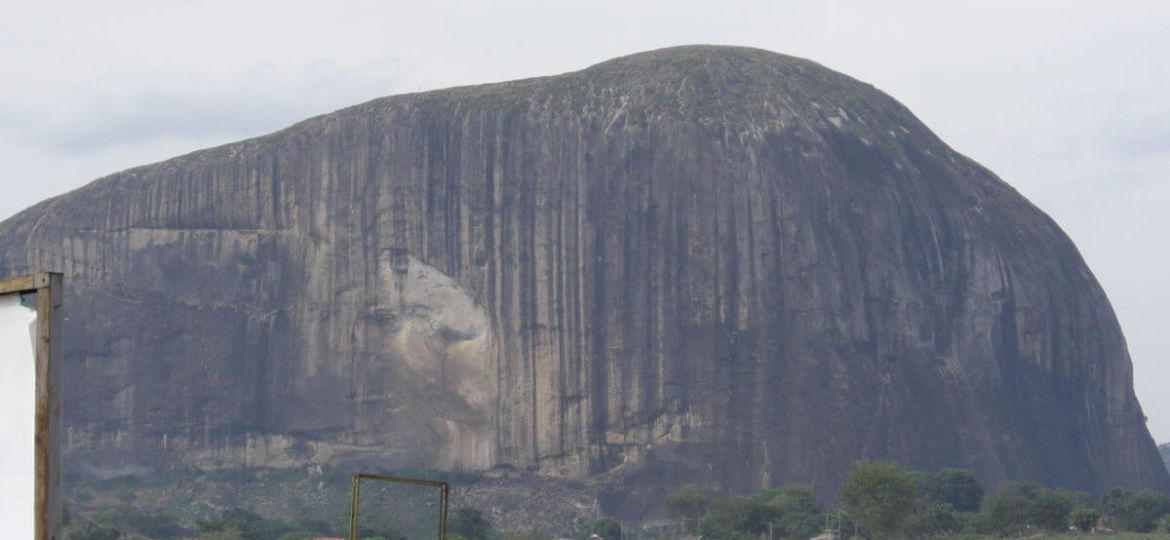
point(470, 523)
point(932, 519)
point(1009, 509)
point(956, 487)
point(606, 528)
point(1084, 519)
point(1050, 510)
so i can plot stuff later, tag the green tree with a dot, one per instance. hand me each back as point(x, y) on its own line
point(246, 524)
point(879, 495)
point(735, 517)
point(1084, 519)
point(956, 487)
point(728, 515)
point(799, 512)
point(688, 503)
point(470, 523)
point(1113, 500)
point(921, 482)
point(1050, 510)
point(1079, 499)
point(1010, 508)
point(975, 523)
point(932, 519)
point(1141, 512)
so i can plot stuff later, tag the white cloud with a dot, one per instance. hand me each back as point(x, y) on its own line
point(115, 111)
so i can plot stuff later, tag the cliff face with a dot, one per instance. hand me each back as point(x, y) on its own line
point(695, 264)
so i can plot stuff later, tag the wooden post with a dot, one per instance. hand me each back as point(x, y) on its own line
point(48, 407)
point(47, 500)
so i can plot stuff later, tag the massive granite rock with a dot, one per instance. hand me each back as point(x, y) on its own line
point(703, 264)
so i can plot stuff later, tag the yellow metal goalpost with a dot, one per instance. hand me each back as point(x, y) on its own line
point(397, 481)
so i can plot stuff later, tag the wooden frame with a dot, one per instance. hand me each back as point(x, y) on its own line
point(47, 498)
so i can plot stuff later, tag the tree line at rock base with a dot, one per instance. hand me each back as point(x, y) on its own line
point(126, 523)
point(880, 500)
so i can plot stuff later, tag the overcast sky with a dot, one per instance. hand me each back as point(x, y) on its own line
point(1068, 101)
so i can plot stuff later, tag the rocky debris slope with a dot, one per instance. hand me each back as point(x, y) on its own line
point(702, 264)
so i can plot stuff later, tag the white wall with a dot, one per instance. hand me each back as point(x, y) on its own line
point(17, 407)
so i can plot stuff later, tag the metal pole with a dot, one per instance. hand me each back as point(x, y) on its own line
point(355, 485)
point(443, 515)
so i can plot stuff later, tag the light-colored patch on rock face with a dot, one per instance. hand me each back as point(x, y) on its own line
point(437, 335)
point(423, 292)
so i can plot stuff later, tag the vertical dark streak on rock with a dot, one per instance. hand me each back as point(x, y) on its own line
point(678, 375)
point(622, 368)
point(505, 429)
point(558, 270)
point(739, 386)
point(598, 264)
point(774, 324)
point(581, 355)
point(526, 212)
point(651, 252)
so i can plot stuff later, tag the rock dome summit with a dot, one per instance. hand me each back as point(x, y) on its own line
point(698, 264)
